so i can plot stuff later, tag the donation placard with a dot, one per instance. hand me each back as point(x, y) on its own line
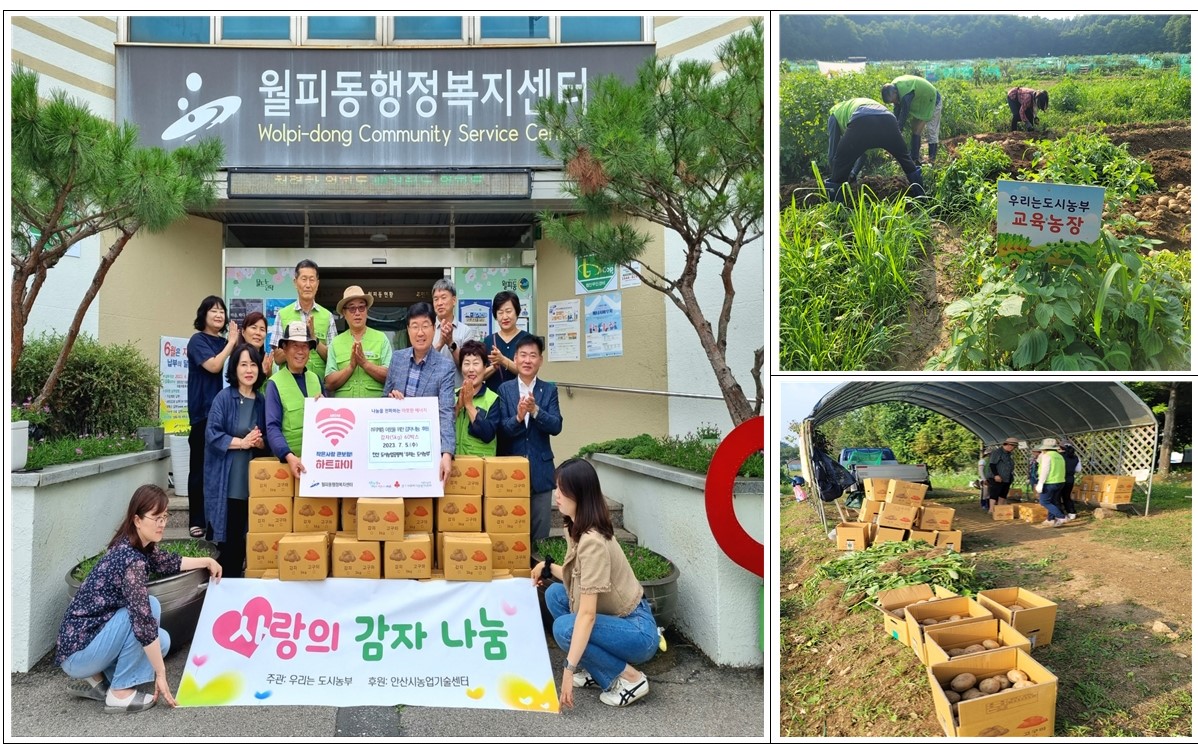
point(350, 642)
point(1033, 216)
point(371, 448)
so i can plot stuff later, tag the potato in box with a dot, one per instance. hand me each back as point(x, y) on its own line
point(270, 514)
point(349, 515)
point(510, 550)
point(979, 636)
point(894, 602)
point(418, 514)
point(269, 477)
point(460, 514)
point(898, 516)
point(380, 519)
point(903, 492)
point(506, 476)
point(950, 539)
point(1034, 618)
point(262, 550)
point(852, 536)
point(936, 517)
point(920, 617)
point(467, 556)
point(1028, 711)
point(888, 534)
point(507, 514)
point(465, 476)
point(315, 514)
point(409, 558)
point(304, 556)
point(356, 559)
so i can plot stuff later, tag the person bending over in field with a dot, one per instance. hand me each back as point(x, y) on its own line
point(858, 125)
point(1024, 103)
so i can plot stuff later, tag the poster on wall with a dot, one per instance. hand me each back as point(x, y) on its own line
point(592, 275)
point(172, 388)
point(562, 342)
point(476, 315)
point(476, 285)
point(264, 289)
point(239, 307)
point(605, 334)
point(627, 278)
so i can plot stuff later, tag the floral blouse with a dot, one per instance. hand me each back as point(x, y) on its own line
point(118, 580)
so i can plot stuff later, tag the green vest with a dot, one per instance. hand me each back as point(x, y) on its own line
point(320, 329)
point(843, 111)
point(1056, 468)
point(359, 384)
point(471, 445)
point(923, 105)
point(293, 405)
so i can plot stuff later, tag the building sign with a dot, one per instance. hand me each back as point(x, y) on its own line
point(1036, 215)
point(350, 642)
point(366, 108)
point(380, 185)
point(592, 275)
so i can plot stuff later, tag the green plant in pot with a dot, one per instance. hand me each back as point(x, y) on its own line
point(657, 574)
point(181, 594)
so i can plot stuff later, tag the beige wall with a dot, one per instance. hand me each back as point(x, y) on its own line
point(156, 285)
point(591, 415)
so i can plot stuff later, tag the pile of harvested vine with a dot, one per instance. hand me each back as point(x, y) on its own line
point(890, 565)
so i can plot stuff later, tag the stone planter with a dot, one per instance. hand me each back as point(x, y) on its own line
point(719, 604)
point(181, 596)
point(180, 462)
point(58, 516)
point(152, 436)
point(19, 444)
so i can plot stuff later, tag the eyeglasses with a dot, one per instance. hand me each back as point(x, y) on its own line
point(160, 521)
point(355, 308)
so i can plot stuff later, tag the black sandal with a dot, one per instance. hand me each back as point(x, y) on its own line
point(197, 533)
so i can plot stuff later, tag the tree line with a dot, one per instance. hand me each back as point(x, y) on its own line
point(899, 37)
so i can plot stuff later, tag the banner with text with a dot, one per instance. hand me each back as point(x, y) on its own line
point(351, 642)
point(372, 447)
point(172, 387)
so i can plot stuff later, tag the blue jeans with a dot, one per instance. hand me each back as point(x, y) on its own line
point(615, 641)
point(117, 653)
point(1048, 499)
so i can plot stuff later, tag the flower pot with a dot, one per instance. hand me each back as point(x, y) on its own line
point(20, 444)
point(663, 597)
point(181, 596)
point(180, 462)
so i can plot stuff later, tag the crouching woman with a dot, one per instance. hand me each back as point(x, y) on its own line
point(601, 618)
point(110, 640)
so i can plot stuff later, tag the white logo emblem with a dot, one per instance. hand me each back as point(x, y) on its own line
point(210, 114)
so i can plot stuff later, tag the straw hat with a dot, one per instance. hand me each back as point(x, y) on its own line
point(1049, 444)
point(354, 292)
point(296, 330)
point(1011, 440)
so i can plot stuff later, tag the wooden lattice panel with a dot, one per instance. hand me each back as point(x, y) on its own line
point(1128, 451)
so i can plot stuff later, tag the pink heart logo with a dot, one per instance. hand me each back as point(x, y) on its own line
point(397, 484)
point(239, 631)
point(508, 609)
point(199, 659)
point(335, 423)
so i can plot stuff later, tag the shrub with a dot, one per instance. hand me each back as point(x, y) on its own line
point(104, 388)
point(646, 565)
point(1089, 159)
point(45, 453)
point(688, 452)
point(184, 548)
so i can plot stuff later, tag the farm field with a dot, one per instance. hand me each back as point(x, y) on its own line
point(1112, 579)
point(893, 283)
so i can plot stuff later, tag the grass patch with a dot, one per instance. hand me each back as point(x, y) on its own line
point(692, 452)
point(78, 449)
point(187, 548)
point(646, 565)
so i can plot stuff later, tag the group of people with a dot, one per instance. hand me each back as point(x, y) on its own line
point(857, 125)
point(247, 401)
point(1052, 471)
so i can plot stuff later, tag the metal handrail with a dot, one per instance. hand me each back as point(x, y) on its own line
point(570, 385)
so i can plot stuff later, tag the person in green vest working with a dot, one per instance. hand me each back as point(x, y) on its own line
point(1051, 481)
point(321, 325)
point(358, 360)
point(285, 394)
point(915, 97)
point(858, 125)
point(476, 413)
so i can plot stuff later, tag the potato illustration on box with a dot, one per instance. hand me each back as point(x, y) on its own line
point(270, 514)
point(506, 476)
point(465, 477)
point(468, 556)
point(357, 559)
point(409, 558)
point(269, 477)
point(509, 551)
point(261, 509)
point(507, 515)
point(304, 556)
point(349, 514)
point(315, 514)
point(380, 519)
point(291, 556)
point(459, 514)
point(262, 550)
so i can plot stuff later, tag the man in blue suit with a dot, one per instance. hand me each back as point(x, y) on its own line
point(529, 416)
point(415, 373)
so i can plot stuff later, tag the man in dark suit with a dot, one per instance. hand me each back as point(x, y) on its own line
point(415, 373)
point(529, 416)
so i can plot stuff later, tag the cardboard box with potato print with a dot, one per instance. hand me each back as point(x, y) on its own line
point(418, 515)
point(506, 514)
point(409, 558)
point(270, 514)
point(380, 519)
point(315, 515)
point(356, 559)
point(262, 550)
point(304, 556)
point(349, 515)
point(510, 551)
point(269, 477)
point(460, 514)
point(1030, 710)
point(266, 574)
point(465, 477)
point(467, 556)
point(506, 476)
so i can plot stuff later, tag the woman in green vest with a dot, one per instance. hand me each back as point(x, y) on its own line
point(285, 395)
point(358, 360)
point(476, 415)
point(914, 96)
point(1051, 481)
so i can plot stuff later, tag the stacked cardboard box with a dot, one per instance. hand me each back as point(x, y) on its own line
point(507, 512)
point(271, 513)
point(353, 558)
point(854, 535)
point(1109, 490)
point(304, 556)
point(895, 511)
point(892, 600)
point(965, 609)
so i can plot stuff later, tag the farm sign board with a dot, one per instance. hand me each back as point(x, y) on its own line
point(1033, 216)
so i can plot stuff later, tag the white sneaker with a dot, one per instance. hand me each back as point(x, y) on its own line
point(584, 679)
point(1070, 517)
point(1058, 522)
point(623, 692)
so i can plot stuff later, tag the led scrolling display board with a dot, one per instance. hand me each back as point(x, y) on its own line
point(368, 184)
